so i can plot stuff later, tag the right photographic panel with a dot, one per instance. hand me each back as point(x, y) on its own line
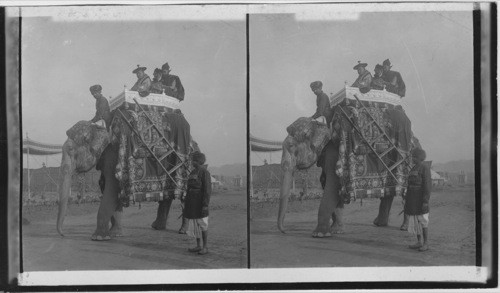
point(362, 136)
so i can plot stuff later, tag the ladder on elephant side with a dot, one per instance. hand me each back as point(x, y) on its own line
point(169, 170)
point(390, 167)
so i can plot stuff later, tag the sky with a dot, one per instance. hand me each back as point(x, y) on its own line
point(66, 50)
point(433, 50)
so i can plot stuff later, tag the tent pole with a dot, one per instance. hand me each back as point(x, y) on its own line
point(251, 181)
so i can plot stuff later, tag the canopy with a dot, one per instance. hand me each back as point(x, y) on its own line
point(435, 175)
point(39, 148)
point(262, 145)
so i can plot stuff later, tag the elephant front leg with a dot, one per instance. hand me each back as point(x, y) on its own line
point(330, 198)
point(329, 201)
point(326, 208)
point(116, 224)
point(338, 223)
point(160, 223)
point(107, 208)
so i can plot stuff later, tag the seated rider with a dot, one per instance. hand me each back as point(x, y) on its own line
point(157, 86)
point(364, 80)
point(322, 103)
point(143, 83)
point(378, 83)
point(101, 106)
point(173, 85)
point(394, 81)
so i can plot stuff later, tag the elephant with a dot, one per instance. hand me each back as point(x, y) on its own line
point(309, 142)
point(89, 145)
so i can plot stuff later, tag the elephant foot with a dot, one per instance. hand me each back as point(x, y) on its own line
point(100, 238)
point(322, 232)
point(101, 235)
point(404, 227)
point(377, 223)
point(116, 232)
point(157, 226)
point(338, 229)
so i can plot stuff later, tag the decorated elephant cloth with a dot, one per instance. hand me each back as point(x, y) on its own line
point(361, 172)
point(140, 175)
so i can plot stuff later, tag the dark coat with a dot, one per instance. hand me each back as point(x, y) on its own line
point(323, 108)
point(363, 82)
point(199, 189)
point(168, 81)
point(102, 110)
point(397, 85)
point(419, 190)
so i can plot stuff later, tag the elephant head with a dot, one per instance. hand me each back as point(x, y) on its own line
point(80, 153)
point(301, 149)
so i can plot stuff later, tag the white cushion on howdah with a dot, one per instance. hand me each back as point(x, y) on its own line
point(150, 100)
point(371, 96)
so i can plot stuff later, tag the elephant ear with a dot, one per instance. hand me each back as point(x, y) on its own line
point(302, 129)
point(321, 137)
point(90, 141)
point(80, 133)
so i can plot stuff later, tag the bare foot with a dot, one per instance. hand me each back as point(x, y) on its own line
point(203, 251)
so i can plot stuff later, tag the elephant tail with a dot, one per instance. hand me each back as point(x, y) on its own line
point(67, 169)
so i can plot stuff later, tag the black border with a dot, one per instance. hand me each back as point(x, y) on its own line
point(289, 286)
point(494, 142)
point(249, 165)
point(20, 67)
point(476, 26)
point(4, 163)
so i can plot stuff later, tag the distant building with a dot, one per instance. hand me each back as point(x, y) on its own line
point(238, 181)
point(462, 177)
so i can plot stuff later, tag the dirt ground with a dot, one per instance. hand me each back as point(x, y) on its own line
point(451, 235)
point(141, 247)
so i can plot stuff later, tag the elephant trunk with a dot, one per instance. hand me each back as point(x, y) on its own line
point(284, 195)
point(67, 169)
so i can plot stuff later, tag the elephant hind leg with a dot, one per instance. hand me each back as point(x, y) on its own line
point(383, 211)
point(160, 223)
point(116, 224)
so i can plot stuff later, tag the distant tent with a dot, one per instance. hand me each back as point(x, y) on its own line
point(214, 180)
point(263, 145)
point(435, 175)
point(39, 148)
point(31, 147)
point(437, 180)
point(215, 183)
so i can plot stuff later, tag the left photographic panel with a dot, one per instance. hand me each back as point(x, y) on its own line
point(133, 138)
